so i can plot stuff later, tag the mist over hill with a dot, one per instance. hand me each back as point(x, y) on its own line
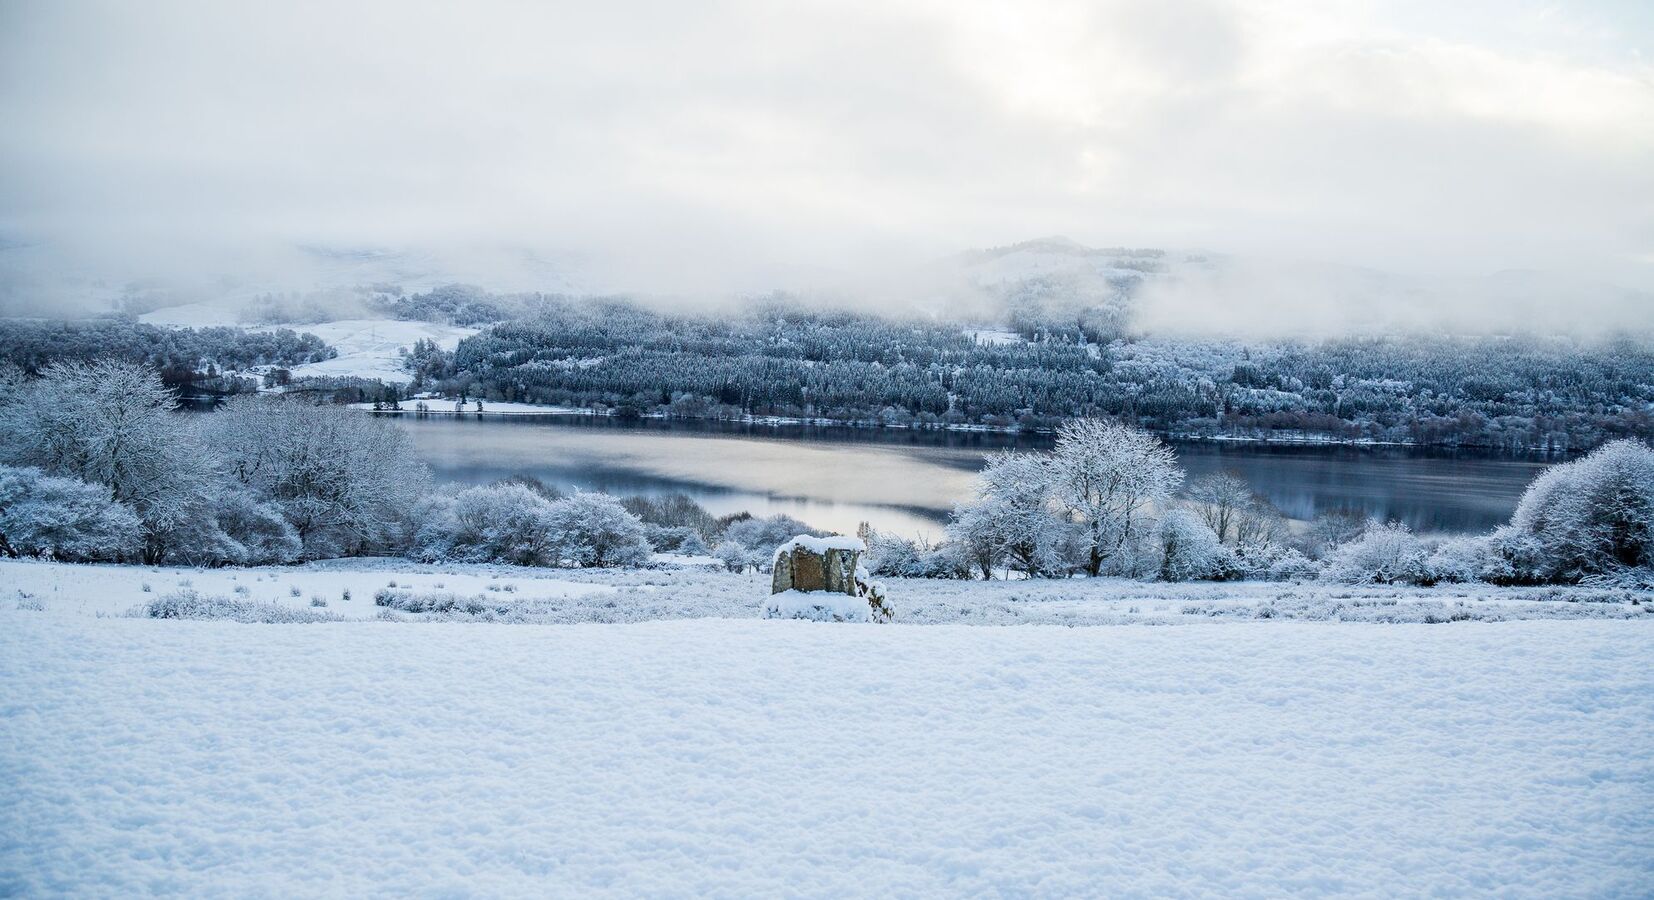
point(1140, 290)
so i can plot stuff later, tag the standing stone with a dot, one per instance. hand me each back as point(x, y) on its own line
point(829, 566)
point(820, 564)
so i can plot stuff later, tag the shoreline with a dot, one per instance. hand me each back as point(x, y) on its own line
point(523, 410)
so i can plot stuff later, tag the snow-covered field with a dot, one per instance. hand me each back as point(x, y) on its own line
point(371, 348)
point(692, 587)
point(735, 756)
point(368, 348)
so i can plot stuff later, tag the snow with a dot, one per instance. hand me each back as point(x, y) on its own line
point(115, 589)
point(993, 336)
point(368, 348)
point(371, 348)
point(820, 545)
point(676, 591)
point(823, 606)
point(765, 758)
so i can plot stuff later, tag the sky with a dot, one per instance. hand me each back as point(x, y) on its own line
point(704, 147)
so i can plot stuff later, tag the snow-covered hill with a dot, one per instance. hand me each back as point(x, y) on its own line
point(1064, 259)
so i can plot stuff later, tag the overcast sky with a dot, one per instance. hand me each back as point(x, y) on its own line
point(710, 142)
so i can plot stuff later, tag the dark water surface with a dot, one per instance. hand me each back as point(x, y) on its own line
point(907, 481)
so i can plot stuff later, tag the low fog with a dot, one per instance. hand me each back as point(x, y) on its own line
point(1339, 165)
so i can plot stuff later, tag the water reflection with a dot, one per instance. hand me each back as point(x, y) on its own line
point(907, 481)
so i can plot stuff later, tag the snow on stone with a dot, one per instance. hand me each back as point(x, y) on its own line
point(820, 545)
point(770, 758)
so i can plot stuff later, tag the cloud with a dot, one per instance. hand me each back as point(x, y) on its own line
point(685, 148)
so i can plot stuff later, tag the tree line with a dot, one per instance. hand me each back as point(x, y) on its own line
point(1106, 501)
point(203, 358)
point(96, 465)
point(781, 359)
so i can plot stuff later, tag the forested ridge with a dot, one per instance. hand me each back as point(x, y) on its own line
point(783, 360)
point(1058, 361)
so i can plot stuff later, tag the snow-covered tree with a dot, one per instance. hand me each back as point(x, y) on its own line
point(111, 423)
point(346, 482)
point(594, 530)
point(974, 530)
point(1014, 518)
point(896, 556)
point(1591, 516)
point(1110, 477)
point(1190, 549)
point(65, 518)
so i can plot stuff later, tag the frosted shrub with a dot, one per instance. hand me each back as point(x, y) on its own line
point(675, 539)
point(65, 518)
point(191, 605)
point(1386, 554)
point(1462, 559)
point(501, 523)
point(1589, 517)
point(674, 511)
point(232, 527)
point(1273, 562)
point(1190, 549)
point(751, 543)
point(510, 523)
point(1518, 557)
point(594, 530)
point(408, 601)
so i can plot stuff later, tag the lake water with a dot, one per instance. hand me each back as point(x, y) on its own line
point(907, 481)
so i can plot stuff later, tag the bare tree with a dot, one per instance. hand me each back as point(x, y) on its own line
point(1220, 499)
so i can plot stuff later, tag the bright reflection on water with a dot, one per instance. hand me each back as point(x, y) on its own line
point(907, 481)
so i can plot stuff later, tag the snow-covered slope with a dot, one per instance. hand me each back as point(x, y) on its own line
point(371, 348)
point(368, 348)
point(769, 758)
